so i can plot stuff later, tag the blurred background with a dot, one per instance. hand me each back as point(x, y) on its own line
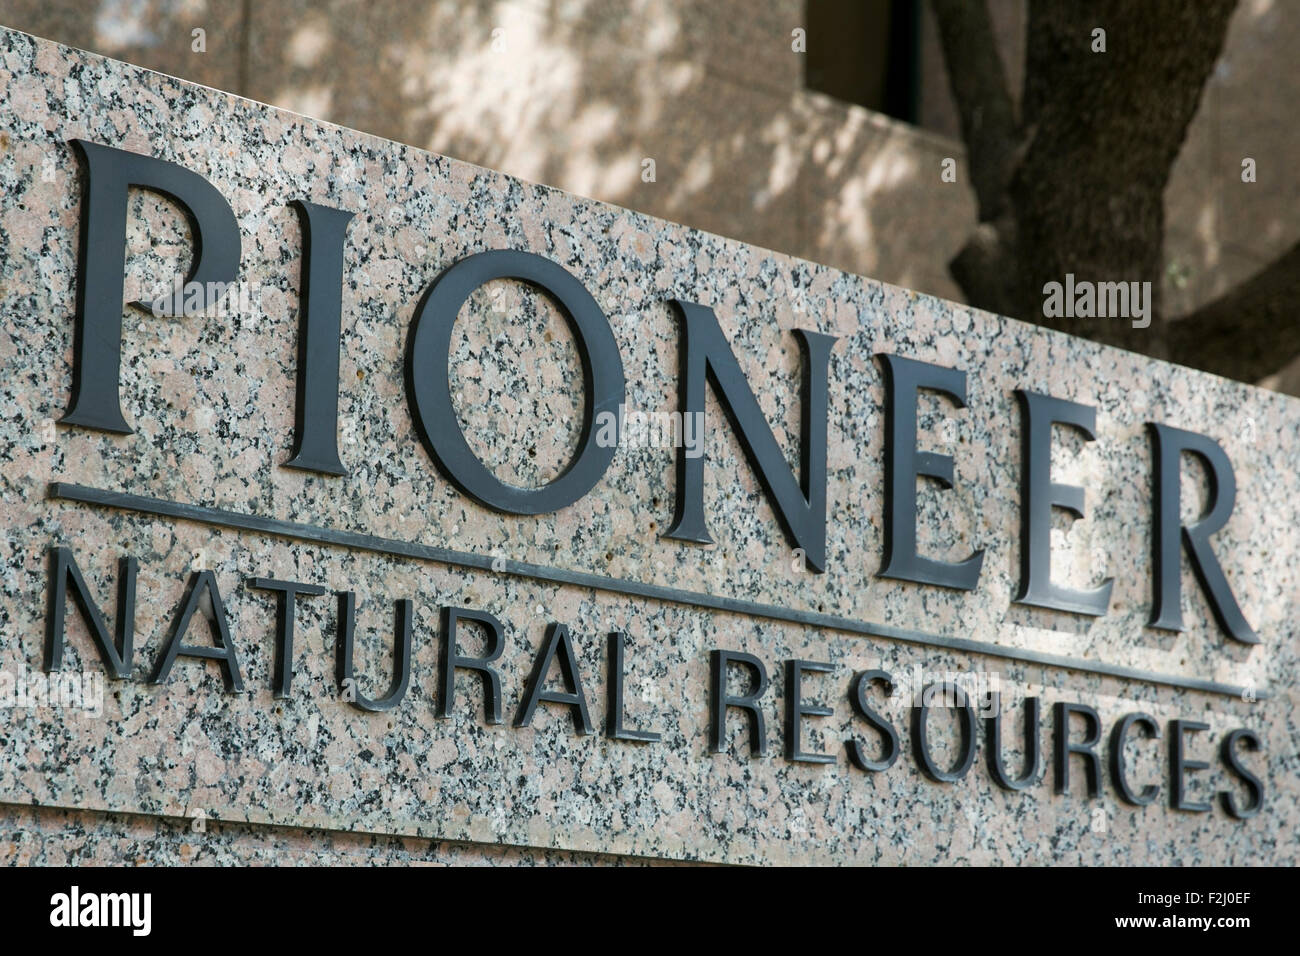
point(820, 128)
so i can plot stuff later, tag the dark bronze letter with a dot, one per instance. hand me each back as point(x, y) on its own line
point(344, 669)
point(1118, 769)
point(429, 388)
point(796, 710)
point(64, 570)
point(315, 445)
point(888, 735)
point(614, 728)
point(285, 593)
point(921, 738)
point(1084, 748)
point(202, 582)
point(557, 642)
point(720, 700)
point(704, 353)
point(1232, 760)
point(1167, 447)
point(1039, 494)
point(1179, 764)
point(1033, 755)
point(450, 660)
point(904, 377)
point(97, 351)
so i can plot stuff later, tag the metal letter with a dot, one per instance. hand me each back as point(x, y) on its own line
point(315, 446)
point(888, 735)
point(450, 659)
point(285, 593)
point(796, 710)
point(1039, 494)
point(720, 700)
point(97, 350)
point(344, 670)
point(1178, 764)
point(1228, 751)
point(64, 570)
point(614, 728)
point(1167, 445)
point(1033, 753)
point(921, 738)
point(557, 640)
point(429, 388)
point(201, 583)
point(1118, 768)
point(704, 353)
point(1084, 748)
point(904, 377)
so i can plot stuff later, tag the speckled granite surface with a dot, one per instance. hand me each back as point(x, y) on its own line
point(47, 836)
point(212, 400)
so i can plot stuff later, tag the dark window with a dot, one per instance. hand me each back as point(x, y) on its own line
point(865, 52)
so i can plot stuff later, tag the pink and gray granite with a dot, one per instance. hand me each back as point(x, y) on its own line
point(212, 402)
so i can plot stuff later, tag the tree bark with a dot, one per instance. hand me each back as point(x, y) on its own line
point(988, 120)
point(1082, 175)
point(1248, 333)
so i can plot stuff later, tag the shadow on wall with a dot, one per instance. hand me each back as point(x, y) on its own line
point(581, 94)
point(693, 112)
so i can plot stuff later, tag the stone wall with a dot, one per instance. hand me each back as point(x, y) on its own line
point(212, 402)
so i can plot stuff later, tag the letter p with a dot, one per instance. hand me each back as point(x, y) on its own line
point(109, 174)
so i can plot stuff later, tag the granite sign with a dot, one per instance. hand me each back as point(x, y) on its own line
point(928, 521)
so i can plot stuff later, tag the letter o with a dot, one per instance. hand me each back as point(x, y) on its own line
point(921, 737)
point(428, 383)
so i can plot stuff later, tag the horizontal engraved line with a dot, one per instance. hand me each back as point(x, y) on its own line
point(423, 552)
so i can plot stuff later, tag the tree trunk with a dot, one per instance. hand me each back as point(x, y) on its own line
point(1076, 184)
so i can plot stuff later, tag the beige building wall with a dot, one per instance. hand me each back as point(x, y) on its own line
point(579, 94)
